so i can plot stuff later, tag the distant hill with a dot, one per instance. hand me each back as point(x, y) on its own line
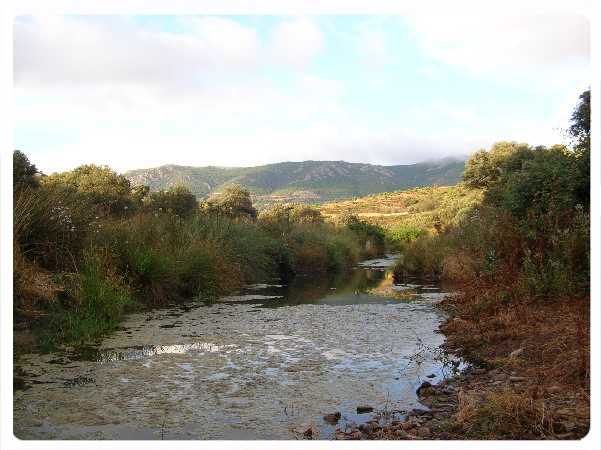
point(307, 181)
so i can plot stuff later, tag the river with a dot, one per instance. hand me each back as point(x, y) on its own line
point(264, 364)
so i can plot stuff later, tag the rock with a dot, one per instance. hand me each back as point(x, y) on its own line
point(367, 428)
point(419, 412)
point(332, 418)
point(432, 375)
point(424, 385)
point(362, 409)
point(516, 353)
point(517, 379)
point(424, 432)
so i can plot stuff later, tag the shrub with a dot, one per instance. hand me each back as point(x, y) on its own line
point(404, 234)
point(99, 185)
point(99, 299)
point(177, 200)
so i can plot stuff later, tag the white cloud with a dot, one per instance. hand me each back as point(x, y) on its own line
point(64, 50)
point(297, 41)
point(488, 43)
point(129, 95)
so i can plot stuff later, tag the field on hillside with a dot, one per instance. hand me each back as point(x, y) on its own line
point(424, 208)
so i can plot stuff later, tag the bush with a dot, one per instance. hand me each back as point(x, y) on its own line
point(98, 301)
point(177, 200)
point(404, 234)
point(99, 185)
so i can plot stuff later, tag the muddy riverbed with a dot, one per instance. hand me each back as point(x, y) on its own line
point(264, 364)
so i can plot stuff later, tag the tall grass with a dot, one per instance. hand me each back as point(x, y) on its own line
point(98, 266)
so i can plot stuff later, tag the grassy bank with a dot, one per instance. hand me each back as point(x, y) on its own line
point(89, 248)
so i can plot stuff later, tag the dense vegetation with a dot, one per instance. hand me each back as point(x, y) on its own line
point(522, 258)
point(307, 181)
point(89, 246)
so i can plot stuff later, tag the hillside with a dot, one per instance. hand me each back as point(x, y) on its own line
point(418, 207)
point(307, 181)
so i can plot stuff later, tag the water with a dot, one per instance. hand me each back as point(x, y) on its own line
point(264, 364)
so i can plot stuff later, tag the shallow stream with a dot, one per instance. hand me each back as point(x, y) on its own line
point(264, 364)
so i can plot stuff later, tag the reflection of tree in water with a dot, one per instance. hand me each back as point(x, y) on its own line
point(313, 288)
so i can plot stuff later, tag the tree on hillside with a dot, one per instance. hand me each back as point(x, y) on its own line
point(25, 174)
point(234, 201)
point(101, 185)
point(300, 213)
point(176, 200)
point(485, 167)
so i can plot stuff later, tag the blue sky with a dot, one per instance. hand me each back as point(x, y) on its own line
point(141, 91)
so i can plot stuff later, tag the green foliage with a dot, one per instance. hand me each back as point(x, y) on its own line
point(300, 213)
point(52, 224)
point(24, 172)
point(234, 201)
point(545, 179)
point(371, 237)
point(580, 129)
point(100, 185)
point(280, 219)
point(484, 168)
point(404, 234)
point(98, 300)
point(177, 200)
point(531, 231)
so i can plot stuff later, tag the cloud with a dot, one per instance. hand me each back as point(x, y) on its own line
point(68, 51)
point(200, 90)
point(297, 41)
point(501, 42)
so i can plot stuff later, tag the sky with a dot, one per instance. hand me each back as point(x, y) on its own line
point(142, 91)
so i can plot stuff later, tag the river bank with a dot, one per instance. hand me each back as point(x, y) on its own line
point(524, 382)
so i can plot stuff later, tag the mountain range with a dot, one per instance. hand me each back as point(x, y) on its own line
point(306, 181)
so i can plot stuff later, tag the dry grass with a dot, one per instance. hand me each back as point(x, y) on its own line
point(503, 414)
point(33, 286)
point(550, 345)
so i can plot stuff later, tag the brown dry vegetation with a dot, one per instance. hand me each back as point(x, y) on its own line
point(544, 347)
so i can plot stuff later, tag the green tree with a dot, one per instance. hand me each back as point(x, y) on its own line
point(25, 174)
point(580, 131)
point(176, 200)
point(101, 185)
point(484, 168)
point(234, 201)
point(300, 213)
